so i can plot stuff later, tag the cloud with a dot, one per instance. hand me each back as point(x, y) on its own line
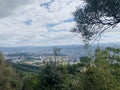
point(38, 22)
point(7, 7)
point(64, 26)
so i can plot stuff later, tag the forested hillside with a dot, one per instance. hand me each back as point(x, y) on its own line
point(98, 72)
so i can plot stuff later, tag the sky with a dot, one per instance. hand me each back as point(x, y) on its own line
point(42, 23)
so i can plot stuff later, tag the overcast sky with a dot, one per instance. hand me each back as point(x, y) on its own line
point(41, 23)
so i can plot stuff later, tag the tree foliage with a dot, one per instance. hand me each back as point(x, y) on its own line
point(95, 17)
point(102, 72)
point(9, 80)
point(98, 79)
point(50, 78)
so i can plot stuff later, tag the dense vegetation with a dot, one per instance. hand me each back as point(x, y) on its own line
point(98, 72)
point(9, 80)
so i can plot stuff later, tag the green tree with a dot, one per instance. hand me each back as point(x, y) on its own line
point(9, 80)
point(56, 52)
point(31, 83)
point(86, 61)
point(98, 79)
point(51, 78)
point(95, 17)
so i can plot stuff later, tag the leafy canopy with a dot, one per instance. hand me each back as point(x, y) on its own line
point(95, 17)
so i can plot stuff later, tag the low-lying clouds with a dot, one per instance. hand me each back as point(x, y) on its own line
point(37, 22)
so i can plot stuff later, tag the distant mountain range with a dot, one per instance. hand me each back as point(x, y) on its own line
point(65, 49)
